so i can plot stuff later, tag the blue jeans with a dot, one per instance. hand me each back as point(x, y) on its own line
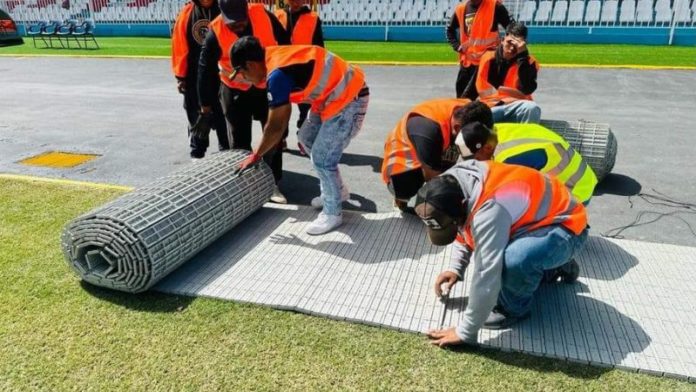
point(522, 111)
point(325, 142)
point(526, 259)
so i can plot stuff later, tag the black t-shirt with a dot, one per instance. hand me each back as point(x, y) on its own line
point(501, 17)
point(283, 81)
point(426, 137)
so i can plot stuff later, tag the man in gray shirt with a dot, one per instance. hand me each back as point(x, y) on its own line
point(514, 223)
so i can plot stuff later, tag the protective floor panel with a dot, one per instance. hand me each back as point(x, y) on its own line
point(634, 306)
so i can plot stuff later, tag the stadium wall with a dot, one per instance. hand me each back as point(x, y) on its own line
point(592, 35)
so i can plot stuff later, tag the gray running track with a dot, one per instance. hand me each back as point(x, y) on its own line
point(129, 111)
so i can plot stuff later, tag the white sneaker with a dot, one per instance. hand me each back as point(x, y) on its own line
point(278, 197)
point(324, 224)
point(319, 204)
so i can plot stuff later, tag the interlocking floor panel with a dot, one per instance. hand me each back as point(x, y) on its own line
point(633, 306)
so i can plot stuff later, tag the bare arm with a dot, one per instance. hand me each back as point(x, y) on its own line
point(278, 118)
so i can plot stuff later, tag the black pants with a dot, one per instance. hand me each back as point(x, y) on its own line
point(198, 147)
point(404, 186)
point(240, 108)
point(466, 82)
point(304, 110)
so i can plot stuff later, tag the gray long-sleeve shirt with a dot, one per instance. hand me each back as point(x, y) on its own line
point(490, 229)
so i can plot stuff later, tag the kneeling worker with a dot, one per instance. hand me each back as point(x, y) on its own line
point(517, 223)
point(534, 146)
point(417, 149)
point(339, 98)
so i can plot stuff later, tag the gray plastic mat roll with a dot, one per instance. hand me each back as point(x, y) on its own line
point(595, 142)
point(134, 241)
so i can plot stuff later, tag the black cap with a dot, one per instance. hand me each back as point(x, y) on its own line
point(234, 10)
point(472, 137)
point(440, 203)
point(245, 49)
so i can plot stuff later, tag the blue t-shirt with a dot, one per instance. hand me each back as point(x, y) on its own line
point(279, 85)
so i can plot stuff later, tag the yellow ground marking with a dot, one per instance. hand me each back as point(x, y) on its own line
point(404, 63)
point(58, 159)
point(62, 181)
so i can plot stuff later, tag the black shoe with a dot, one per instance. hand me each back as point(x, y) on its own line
point(500, 319)
point(568, 273)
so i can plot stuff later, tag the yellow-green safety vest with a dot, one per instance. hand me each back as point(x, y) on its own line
point(563, 162)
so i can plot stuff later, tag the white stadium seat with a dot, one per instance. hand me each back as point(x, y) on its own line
point(544, 12)
point(609, 10)
point(644, 11)
point(575, 10)
point(628, 11)
point(527, 14)
point(592, 11)
point(559, 11)
point(663, 12)
point(682, 13)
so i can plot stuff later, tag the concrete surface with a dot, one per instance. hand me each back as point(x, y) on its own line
point(129, 111)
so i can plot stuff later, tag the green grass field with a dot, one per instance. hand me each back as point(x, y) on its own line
point(411, 52)
point(56, 334)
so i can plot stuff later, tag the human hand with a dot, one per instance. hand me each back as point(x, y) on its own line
point(181, 86)
point(201, 128)
point(462, 48)
point(448, 278)
point(249, 162)
point(444, 337)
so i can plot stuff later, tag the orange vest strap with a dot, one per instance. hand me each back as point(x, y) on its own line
point(303, 32)
point(180, 48)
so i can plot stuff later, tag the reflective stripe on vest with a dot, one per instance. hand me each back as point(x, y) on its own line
point(481, 38)
point(261, 28)
point(507, 92)
point(334, 82)
point(550, 203)
point(180, 47)
point(562, 162)
point(399, 153)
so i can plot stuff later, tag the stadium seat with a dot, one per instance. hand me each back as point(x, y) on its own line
point(663, 12)
point(559, 12)
point(644, 11)
point(544, 12)
point(627, 14)
point(682, 12)
point(527, 14)
point(575, 11)
point(592, 11)
point(609, 10)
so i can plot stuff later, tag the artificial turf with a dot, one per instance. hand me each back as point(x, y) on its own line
point(58, 334)
point(547, 54)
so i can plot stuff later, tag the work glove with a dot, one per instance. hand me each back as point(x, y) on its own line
point(201, 128)
point(248, 163)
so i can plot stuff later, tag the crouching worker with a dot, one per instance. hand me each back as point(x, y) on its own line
point(418, 147)
point(517, 223)
point(534, 146)
point(338, 95)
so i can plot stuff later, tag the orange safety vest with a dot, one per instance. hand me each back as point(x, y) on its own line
point(180, 49)
point(334, 82)
point(508, 91)
point(261, 28)
point(399, 153)
point(550, 202)
point(303, 30)
point(481, 38)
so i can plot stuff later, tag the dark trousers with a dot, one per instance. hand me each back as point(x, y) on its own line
point(198, 147)
point(240, 109)
point(466, 82)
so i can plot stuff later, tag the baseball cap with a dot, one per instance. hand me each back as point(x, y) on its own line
point(440, 205)
point(245, 49)
point(471, 138)
point(234, 10)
